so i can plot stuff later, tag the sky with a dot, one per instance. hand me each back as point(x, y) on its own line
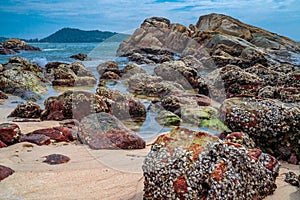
point(40, 18)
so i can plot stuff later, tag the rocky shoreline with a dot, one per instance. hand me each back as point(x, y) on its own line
point(240, 81)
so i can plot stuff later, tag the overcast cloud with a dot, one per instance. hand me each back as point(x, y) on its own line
point(33, 18)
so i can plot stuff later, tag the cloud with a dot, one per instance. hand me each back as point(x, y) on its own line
point(122, 15)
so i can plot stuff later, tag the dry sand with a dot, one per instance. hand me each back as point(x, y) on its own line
point(90, 174)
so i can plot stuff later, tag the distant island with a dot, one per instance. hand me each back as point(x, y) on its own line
point(73, 35)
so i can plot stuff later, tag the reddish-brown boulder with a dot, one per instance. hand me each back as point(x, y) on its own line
point(53, 109)
point(38, 139)
point(59, 133)
point(9, 133)
point(5, 172)
point(2, 144)
point(104, 131)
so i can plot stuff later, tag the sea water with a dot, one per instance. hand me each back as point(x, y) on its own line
point(99, 53)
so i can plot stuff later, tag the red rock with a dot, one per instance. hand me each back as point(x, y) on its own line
point(59, 134)
point(5, 172)
point(38, 139)
point(54, 110)
point(55, 159)
point(9, 133)
point(105, 131)
point(2, 144)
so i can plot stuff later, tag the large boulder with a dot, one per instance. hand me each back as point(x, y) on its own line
point(104, 131)
point(9, 133)
point(186, 164)
point(23, 78)
point(215, 41)
point(273, 125)
point(257, 36)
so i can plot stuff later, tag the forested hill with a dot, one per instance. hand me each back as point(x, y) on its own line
point(68, 35)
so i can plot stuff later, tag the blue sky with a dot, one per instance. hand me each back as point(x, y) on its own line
point(39, 18)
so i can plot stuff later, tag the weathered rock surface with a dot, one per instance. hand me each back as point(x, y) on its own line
point(104, 131)
point(109, 70)
point(38, 139)
point(9, 133)
point(56, 159)
point(74, 74)
point(28, 109)
point(151, 86)
point(5, 172)
point(273, 125)
point(215, 41)
point(74, 104)
point(2, 144)
point(232, 81)
point(182, 74)
point(185, 164)
point(58, 134)
point(14, 45)
point(23, 78)
point(122, 106)
point(80, 56)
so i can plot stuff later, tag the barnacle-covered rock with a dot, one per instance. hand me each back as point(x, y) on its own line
point(74, 104)
point(273, 125)
point(151, 86)
point(240, 138)
point(182, 74)
point(132, 69)
point(232, 81)
point(74, 74)
point(104, 131)
point(27, 110)
point(123, 106)
point(186, 164)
